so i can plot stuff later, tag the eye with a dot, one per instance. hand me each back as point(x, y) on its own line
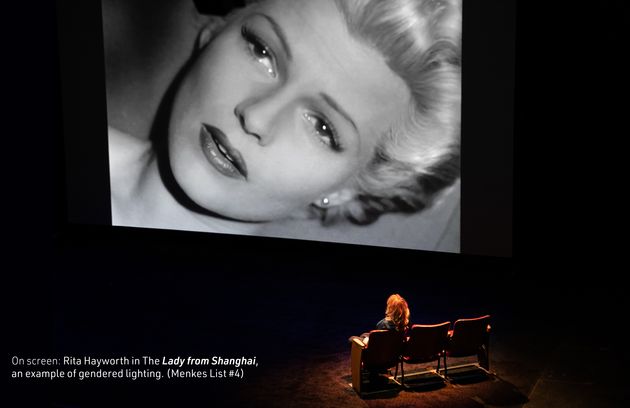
point(259, 51)
point(325, 131)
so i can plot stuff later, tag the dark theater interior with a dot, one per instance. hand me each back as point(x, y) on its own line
point(533, 252)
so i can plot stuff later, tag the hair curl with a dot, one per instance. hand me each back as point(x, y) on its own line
point(397, 311)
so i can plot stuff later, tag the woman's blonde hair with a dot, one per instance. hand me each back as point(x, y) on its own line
point(397, 311)
point(420, 157)
point(421, 42)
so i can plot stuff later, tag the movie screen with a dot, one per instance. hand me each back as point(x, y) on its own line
point(318, 120)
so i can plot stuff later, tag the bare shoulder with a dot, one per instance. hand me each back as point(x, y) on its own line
point(126, 150)
point(128, 156)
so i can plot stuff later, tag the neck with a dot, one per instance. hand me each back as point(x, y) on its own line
point(155, 207)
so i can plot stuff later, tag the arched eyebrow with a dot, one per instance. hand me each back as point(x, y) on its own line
point(333, 104)
point(277, 29)
point(279, 32)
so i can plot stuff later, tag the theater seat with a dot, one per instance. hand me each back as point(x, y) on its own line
point(381, 353)
point(471, 337)
point(426, 343)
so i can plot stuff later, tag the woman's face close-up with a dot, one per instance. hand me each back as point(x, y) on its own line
point(281, 109)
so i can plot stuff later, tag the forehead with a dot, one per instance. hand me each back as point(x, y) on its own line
point(337, 63)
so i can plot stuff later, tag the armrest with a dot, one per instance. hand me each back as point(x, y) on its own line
point(356, 341)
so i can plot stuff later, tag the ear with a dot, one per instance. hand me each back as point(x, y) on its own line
point(335, 198)
point(210, 28)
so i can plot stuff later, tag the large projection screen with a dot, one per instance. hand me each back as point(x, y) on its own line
point(122, 90)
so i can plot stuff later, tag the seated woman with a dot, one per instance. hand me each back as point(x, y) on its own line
point(288, 109)
point(396, 318)
point(396, 315)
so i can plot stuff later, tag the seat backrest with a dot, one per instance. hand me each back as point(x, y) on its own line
point(468, 336)
point(426, 342)
point(383, 350)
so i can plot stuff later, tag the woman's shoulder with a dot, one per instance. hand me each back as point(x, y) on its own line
point(123, 146)
point(128, 155)
point(385, 324)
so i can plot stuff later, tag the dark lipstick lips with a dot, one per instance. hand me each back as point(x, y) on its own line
point(220, 153)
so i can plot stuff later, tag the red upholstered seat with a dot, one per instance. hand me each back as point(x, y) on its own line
point(381, 353)
point(425, 343)
point(471, 337)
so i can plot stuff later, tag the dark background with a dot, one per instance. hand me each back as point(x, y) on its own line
point(88, 288)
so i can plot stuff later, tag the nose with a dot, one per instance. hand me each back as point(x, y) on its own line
point(239, 112)
point(257, 117)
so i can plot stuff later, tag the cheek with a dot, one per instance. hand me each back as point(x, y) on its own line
point(209, 90)
point(303, 173)
point(218, 72)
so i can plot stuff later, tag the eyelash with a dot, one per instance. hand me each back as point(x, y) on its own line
point(253, 40)
point(333, 140)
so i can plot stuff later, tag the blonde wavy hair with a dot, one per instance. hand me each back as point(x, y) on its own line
point(397, 311)
point(421, 42)
point(420, 157)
